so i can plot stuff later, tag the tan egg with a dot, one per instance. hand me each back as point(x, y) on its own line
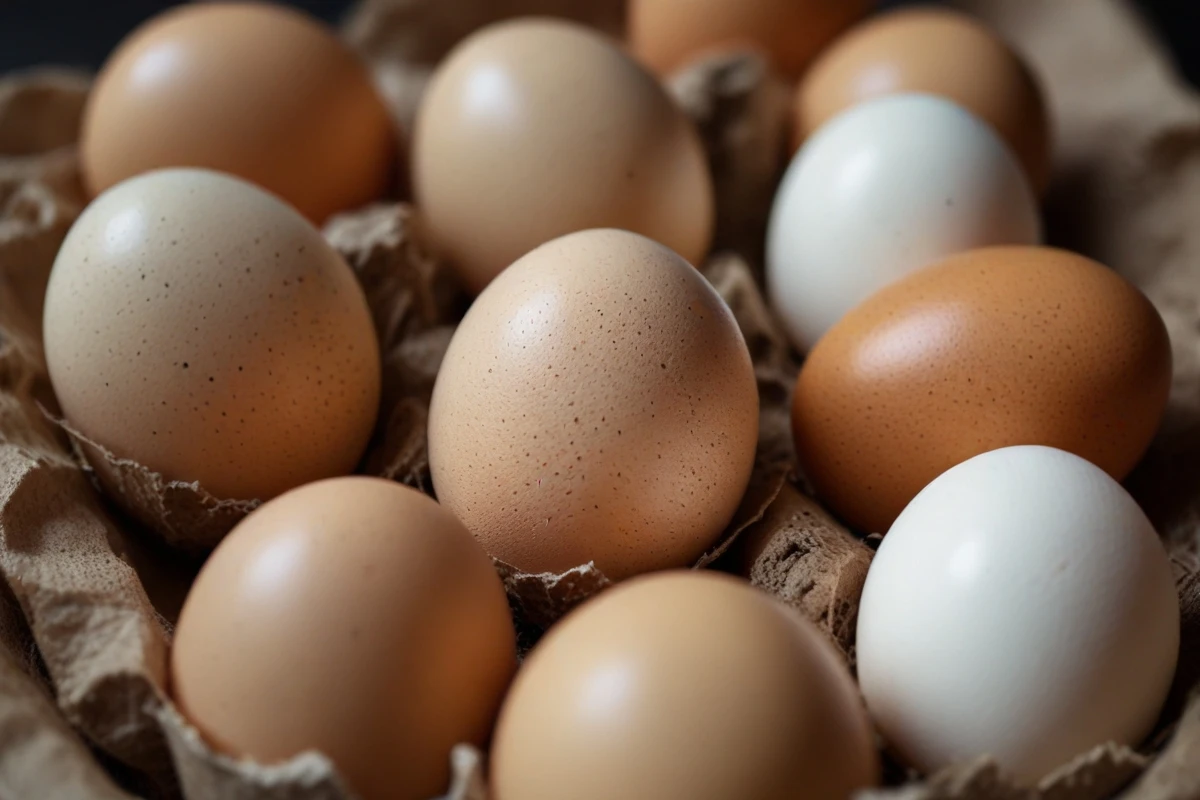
point(597, 403)
point(353, 616)
point(937, 51)
point(257, 90)
point(668, 34)
point(533, 128)
point(990, 348)
point(199, 326)
point(683, 686)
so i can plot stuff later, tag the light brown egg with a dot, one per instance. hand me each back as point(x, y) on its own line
point(597, 403)
point(257, 90)
point(990, 348)
point(683, 686)
point(201, 327)
point(668, 34)
point(353, 616)
point(937, 51)
point(534, 128)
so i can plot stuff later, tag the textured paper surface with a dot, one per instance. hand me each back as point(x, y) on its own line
point(82, 648)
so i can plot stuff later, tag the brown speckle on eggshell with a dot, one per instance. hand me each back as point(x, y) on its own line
point(598, 404)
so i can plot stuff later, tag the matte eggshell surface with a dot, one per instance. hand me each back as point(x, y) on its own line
point(683, 686)
point(353, 616)
point(884, 189)
point(531, 129)
point(990, 348)
point(669, 34)
point(199, 326)
point(1021, 606)
point(597, 403)
point(938, 51)
point(257, 90)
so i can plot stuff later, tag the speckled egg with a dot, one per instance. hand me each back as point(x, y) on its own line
point(990, 348)
point(203, 328)
point(597, 403)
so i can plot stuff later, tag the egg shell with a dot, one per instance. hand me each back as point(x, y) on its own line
point(597, 403)
point(1022, 607)
point(204, 329)
point(885, 188)
point(929, 50)
point(683, 686)
point(353, 616)
point(254, 89)
point(532, 129)
point(995, 347)
point(669, 34)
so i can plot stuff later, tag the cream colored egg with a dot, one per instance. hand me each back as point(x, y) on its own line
point(203, 328)
point(597, 403)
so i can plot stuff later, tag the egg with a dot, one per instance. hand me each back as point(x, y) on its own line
point(927, 50)
point(1022, 607)
point(204, 329)
point(668, 34)
point(994, 347)
point(883, 189)
point(254, 89)
point(597, 404)
point(683, 686)
point(535, 128)
point(353, 616)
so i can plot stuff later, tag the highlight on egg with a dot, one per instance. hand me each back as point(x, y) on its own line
point(883, 189)
point(683, 685)
point(531, 129)
point(596, 404)
point(1022, 607)
point(989, 348)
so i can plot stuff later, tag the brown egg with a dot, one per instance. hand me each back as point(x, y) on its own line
point(936, 51)
point(201, 327)
point(257, 90)
point(597, 403)
point(535, 128)
point(667, 34)
point(683, 686)
point(990, 348)
point(353, 616)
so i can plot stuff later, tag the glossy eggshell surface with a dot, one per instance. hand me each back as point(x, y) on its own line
point(352, 616)
point(669, 34)
point(990, 348)
point(532, 129)
point(199, 326)
point(683, 686)
point(257, 90)
point(597, 403)
point(938, 51)
point(884, 189)
point(1021, 606)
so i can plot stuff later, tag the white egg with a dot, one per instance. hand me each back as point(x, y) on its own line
point(879, 191)
point(1021, 606)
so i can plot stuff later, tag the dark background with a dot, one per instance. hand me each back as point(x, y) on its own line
point(82, 32)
